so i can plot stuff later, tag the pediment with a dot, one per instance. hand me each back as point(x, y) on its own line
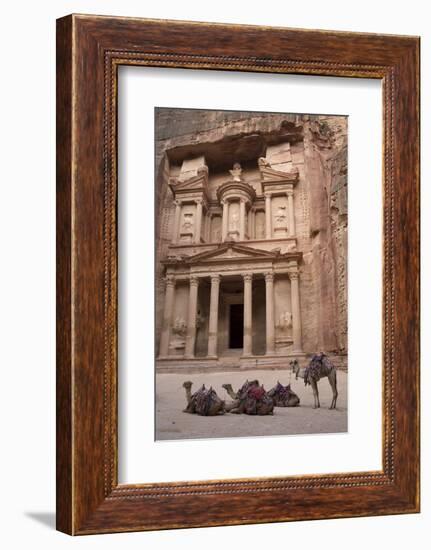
point(230, 251)
point(195, 183)
point(271, 175)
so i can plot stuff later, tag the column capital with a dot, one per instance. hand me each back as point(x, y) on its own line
point(267, 195)
point(247, 277)
point(199, 201)
point(194, 280)
point(269, 276)
point(177, 202)
point(289, 192)
point(215, 278)
point(293, 274)
point(170, 280)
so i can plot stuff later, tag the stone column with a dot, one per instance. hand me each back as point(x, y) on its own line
point(167, 315)
point(191, 317)
point(296, 311)
point(291, 213)
point(198, 226)
point(248, 327)
point(241, 219)
point(251, 224)
point(270, 328)
point(225, 220)
point(208, 221)
point(268, 216)
point(175, 236)
point(213, 322)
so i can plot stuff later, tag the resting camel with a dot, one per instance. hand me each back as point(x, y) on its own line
point(319, 367)
point(251, 399)
point(283, 396)
point(203, 402)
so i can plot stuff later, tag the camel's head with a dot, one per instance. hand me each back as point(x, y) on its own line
point(187, 385)
point(227, 387)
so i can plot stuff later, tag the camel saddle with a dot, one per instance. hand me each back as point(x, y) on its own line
point(256, 392)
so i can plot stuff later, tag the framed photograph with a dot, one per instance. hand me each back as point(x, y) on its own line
point(237, 274)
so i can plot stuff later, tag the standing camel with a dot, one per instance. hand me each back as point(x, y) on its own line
point(319, 367)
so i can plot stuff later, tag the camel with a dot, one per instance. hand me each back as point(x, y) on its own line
point(283, 396)
point(236, 395)
point(251, 399)
point(203, 402)
point(244, 387)
point(320, 367)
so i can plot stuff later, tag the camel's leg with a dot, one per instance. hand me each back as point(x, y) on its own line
point(293, 402)
point(333, 382)
point(232, 405)
point(188, 388)
point(315, 394)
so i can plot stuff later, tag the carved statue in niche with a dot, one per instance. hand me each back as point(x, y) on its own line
point(284, 320)
point(200, 319)
point(179, 329)
point(188, 223)
point(236, 172)
point(234, 222)
point(281, 217)
point(179, 326)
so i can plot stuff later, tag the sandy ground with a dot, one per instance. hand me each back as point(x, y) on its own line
point(172, 423)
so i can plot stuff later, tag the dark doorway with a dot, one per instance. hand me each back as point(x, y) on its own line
point(236, 326)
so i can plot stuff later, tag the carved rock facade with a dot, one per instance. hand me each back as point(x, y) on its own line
point(251, 237)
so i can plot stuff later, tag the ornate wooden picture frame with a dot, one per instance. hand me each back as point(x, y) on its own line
point(89, 51)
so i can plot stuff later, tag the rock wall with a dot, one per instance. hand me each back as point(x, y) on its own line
point(325, 158)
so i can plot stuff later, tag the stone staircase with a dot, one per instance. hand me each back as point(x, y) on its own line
point(225, 364)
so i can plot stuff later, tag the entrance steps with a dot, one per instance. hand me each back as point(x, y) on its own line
point(225, 363)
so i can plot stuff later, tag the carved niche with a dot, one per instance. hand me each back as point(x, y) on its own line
point(279, 221)
point(233, 231)
point(187, 227)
